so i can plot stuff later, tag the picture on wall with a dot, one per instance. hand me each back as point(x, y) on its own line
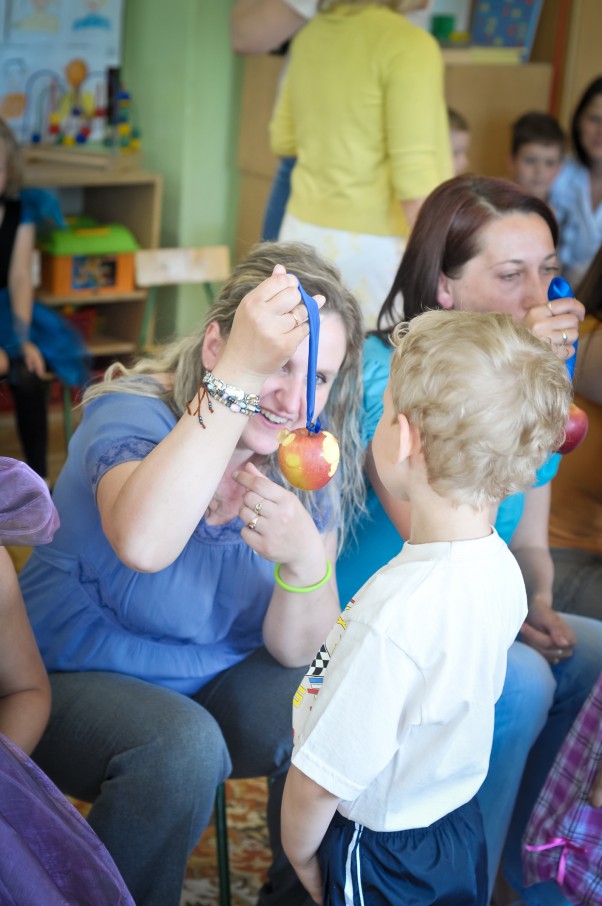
point(54, 57)
point(506, 23)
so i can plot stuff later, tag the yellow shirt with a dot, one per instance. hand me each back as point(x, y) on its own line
point(576, 516)
point(362, 107)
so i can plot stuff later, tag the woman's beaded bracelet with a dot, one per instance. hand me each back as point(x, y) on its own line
point(308, 588)
point(232, 397)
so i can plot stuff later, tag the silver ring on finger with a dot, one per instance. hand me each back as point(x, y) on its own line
point(295, 319)
point(258, 507)
point(253, 523)
point(549, 307)
point(564, 338)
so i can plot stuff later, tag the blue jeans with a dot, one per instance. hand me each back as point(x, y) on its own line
point(520, 716)
point(532, 717)
point(150, 759)
point(278, 198)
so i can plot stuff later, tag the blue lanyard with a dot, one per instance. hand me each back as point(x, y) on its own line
point(313, 317)
point(560, 289)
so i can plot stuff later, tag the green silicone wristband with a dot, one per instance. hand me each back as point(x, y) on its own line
point(308, 588)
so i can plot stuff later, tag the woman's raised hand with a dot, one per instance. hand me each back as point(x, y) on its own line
point(269, 325)
point(278, 527)
point(557, 322)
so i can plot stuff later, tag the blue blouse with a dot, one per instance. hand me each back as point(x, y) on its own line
point(377, 540)
point(178, 627)
point(580, 224)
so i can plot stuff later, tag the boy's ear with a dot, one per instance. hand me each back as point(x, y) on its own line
point(407, 438)
point(213, 346)
point(444, 292)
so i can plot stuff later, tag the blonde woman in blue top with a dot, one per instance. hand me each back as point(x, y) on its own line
point(172, 651)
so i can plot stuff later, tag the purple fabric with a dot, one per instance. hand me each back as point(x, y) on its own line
point(27, 514)
point(48, 853)
point(562, 821)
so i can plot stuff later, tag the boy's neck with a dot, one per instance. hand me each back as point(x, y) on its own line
point(435, 518)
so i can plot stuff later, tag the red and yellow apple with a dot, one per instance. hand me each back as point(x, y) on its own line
point(575, 429)
point(308, 460)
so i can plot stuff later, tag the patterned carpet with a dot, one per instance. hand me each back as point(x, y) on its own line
point(247, 844)
point(247, 849)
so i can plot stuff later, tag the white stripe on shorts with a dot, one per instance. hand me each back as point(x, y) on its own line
point(355, 844)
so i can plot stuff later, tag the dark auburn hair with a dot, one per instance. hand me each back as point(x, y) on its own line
point(593, 89)
point(446, 236)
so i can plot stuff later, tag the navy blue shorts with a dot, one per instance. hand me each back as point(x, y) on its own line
point(444, 864)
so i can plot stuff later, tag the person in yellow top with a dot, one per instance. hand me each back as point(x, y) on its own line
point(362, 107)
point(576, 515)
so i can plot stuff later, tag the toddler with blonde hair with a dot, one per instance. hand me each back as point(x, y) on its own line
point(393, 723)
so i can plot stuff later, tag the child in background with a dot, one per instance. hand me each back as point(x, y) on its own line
point(459, 136)
point(393, 723)
point(537, 152)
point(33, 339)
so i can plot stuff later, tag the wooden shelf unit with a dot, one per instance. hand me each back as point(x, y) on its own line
point(131, 198)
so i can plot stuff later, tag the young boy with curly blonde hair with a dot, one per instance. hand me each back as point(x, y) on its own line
point(393, 722)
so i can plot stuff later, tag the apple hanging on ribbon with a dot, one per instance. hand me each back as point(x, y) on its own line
point(577, 422)
point(575, 429)
point(309, 456)
point(308, 461)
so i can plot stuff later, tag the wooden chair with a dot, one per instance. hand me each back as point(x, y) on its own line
point(204, 265)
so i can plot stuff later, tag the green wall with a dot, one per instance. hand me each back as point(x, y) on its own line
point(186, 84)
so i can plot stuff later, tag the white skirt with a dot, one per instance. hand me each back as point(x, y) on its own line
point(367, 263)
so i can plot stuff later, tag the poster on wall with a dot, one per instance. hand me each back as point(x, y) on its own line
point(54, 58)
point(506, 23)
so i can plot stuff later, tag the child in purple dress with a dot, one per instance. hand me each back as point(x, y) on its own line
point(48, 853)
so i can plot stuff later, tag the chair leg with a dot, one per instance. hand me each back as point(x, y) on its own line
point(221, 839)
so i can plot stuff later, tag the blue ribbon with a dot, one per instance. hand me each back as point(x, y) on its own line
point(313, 317)
point(560, 289)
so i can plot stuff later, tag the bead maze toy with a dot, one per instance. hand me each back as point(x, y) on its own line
point(95, 129)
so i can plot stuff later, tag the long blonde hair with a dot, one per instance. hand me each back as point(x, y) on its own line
point(182, 360)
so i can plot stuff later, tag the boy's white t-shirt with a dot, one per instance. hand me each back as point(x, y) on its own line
point(395, 715)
